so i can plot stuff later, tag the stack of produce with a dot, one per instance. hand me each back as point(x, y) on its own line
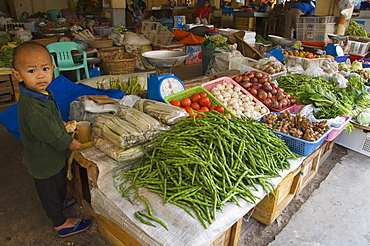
point(197, 104)
point(260, 86)
point(131, 87)
point(120, 136)
point(332, 100)
point(128, 128)
point(226, 160)
point(299, 126)
point(239, 103)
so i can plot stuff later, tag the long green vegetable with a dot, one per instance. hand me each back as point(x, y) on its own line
point(205, 162)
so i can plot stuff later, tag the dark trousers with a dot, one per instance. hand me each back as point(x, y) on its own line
point(52, 192)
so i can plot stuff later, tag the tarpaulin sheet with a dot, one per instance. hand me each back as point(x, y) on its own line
point(65, 91)
point(183, 229)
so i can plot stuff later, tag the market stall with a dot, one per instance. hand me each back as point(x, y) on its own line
point(172, 162)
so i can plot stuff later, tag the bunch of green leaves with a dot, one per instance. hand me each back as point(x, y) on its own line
point(356, 30)
point(216, 41)
point(6, 58)
point(295, 84)
point(334, 101)
point(260, 39)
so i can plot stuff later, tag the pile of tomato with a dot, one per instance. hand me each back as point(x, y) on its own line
point(197, 103)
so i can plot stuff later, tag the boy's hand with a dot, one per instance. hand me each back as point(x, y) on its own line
point(75, 145)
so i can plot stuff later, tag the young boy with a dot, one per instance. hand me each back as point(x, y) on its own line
point(46, 143)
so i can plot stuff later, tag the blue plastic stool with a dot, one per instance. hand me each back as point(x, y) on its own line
point(54, 14)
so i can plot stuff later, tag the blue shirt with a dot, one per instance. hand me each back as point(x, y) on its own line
point(306, 8)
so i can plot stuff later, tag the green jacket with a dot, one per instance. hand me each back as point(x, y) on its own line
point(43, 134)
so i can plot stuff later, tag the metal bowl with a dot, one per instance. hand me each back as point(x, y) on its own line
point(279, 40)
point(164, 58)
point(93, 60)
point(61, 30)
point(335, 37)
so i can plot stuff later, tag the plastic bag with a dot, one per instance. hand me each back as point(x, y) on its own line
point(309, 111)
point(93, 107)
point(78, 113)
point(146, 123)
point(116, 152)
point(120, 132)
point(314, 71)
point(129, 100)
point(220, 61)
point(118, 38)
point(165, 113)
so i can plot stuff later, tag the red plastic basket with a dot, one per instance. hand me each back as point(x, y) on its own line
point(211, 84)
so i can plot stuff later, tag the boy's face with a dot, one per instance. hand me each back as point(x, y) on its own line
point(34, 68)
point(206, 4)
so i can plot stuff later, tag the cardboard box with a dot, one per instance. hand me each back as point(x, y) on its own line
point(194, 54)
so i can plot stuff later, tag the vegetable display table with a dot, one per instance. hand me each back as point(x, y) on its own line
point(107, 202)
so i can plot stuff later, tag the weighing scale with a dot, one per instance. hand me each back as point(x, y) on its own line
point(335, 49)
point(163, 85)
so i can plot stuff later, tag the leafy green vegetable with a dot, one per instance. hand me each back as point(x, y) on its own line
point(356, 65)
point(364, 117)
point(216, 41)
point(6, 58)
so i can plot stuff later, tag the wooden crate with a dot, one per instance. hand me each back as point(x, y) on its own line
point(309, 167)
point(271, 206)
point(118, 237)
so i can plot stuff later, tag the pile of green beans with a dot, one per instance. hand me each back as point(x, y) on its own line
point(205, 162)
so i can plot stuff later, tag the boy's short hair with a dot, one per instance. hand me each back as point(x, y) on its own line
point(22, 46)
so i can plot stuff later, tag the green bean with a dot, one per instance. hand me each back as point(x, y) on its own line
point(153, 218)
point(138, 215)
point(203, 163)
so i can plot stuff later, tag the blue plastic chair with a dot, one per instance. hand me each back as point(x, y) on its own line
point(54, 14)
point(64, 60)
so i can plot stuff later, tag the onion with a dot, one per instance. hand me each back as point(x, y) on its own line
point(246, 84)
point(281, 90)
point(238, 79)
point(258, 75)
point(245, 79)
point(267, 87)
point(267, 101)
point(283, 102)
point(269, 95)
point(280, 96)
point(273, 91)
point(262, 94)
point(254, 80)
point(253, 91)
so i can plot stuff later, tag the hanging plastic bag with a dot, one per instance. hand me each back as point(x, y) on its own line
point(220, 61)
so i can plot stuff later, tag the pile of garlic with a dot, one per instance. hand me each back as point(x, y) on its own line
point(239, 103)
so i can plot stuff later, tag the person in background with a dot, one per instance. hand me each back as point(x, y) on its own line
point(203, 14)
point(252, 5)
point(47, 145)
point(304, 7)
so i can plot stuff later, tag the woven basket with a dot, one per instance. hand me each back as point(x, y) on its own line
point(119, 66)
point(246, 49)
point(46, 41)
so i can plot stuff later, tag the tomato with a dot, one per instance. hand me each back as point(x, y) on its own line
point(195, 106)
point(205, 102)
point(175, 103)
point(192, 114)
point(188, 108)
point(195, 98)
point(185, 102)
point(204, 109)
point(187, 87)
point(203, 94)
point(211, 108)
point(183, 108)
point(220, 109)
point(228, 116)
